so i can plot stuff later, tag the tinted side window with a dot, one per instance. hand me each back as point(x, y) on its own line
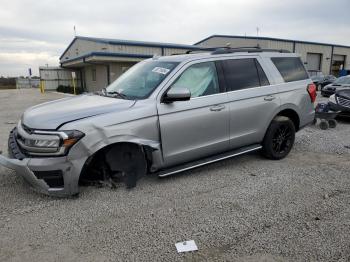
point(291, 68)
point(201, 79)
point(240, 74)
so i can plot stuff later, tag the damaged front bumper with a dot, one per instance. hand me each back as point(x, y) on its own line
point(51, 176)
point(54, 176)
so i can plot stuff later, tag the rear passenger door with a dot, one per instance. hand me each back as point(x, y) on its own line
point(252, 100)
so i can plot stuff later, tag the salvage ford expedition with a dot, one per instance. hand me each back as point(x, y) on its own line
point(163, 116)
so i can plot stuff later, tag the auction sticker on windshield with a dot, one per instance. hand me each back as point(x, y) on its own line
point(161, 70)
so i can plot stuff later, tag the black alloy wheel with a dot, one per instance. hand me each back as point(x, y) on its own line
point(283, 139)
point(279, 138)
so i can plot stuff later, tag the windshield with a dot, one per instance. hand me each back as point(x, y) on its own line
point(141, 79)
point(342, 80)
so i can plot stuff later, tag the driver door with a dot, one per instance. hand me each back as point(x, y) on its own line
point(198, 127)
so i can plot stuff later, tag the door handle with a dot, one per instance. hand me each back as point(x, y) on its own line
point(217, 108)
point(269, 98)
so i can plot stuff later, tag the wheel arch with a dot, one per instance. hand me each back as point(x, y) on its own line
point(292, 115)
point(147, 147)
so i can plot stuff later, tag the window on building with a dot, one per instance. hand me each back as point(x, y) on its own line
point(201, 79)
point(291, 68)
point(93, 74)
point(243, 73)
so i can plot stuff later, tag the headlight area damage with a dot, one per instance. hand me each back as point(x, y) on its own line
point(56, 163)
point(40, 157)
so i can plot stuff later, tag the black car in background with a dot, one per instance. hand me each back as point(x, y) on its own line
point(341, 83)
point(340, 101)
point(321, 80)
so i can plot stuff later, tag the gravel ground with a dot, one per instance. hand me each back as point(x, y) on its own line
point(242, 209)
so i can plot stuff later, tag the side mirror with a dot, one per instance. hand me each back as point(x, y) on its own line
point(177, 94)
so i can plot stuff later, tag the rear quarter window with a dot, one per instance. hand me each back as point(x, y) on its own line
point(290, 68)
point(243, 73)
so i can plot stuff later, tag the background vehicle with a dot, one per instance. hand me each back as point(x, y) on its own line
point(315, 73)
point(166, 115)
point(321, 81)
point(340, 101)
point(340, 84)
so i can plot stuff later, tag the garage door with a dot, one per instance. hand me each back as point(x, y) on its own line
point(313, 61)
point(340, 58)
point(338, 62)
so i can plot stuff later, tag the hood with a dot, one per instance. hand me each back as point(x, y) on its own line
point(344, 93)
point(53, 114)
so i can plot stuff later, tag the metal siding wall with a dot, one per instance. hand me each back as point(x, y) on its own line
point(116, 69)
point(234, 42)
point(101, 77)
point(54, 77)
point(172, 51)
point(81, 47)
point(25, 83)
point(313, 61)
point(300, 48)
point(90, 85)
point(135, 50)
point(326, 52)
point(343, 51)
point(280, 45)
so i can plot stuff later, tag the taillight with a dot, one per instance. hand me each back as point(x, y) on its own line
point(311, 89)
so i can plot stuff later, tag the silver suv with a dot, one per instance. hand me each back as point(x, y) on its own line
point(163, 116)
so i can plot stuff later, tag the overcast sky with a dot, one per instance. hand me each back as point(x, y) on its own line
point(34, 33)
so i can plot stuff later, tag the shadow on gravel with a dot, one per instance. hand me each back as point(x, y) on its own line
point(344, 119)
point(230, 163)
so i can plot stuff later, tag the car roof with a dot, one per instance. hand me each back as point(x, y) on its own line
point(203, 55)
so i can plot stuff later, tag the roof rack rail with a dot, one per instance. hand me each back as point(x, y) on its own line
point(249, 49)
point(202, 49)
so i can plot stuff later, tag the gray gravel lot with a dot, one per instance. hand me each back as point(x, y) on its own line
point(242, 209)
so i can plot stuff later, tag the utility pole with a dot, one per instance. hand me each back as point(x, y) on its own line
point(30, 77)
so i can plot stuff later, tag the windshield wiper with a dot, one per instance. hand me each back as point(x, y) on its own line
point(113, 93)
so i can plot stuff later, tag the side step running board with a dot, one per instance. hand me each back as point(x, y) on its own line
point(208, 160)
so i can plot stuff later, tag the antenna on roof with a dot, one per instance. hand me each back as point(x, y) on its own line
point(75, 32)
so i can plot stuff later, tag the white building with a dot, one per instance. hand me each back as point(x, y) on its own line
point(99, 61)
point(327, 58)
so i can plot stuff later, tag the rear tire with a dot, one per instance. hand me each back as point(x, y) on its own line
point(279, 138)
